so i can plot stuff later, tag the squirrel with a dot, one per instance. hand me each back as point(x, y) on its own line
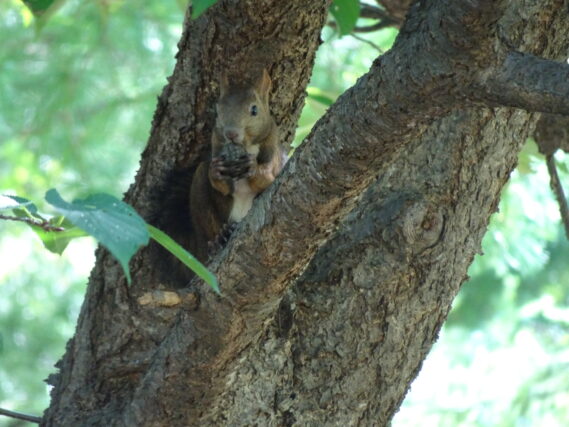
point(245, 159)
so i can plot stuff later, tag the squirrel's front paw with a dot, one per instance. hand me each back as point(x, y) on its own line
point(218, 169)
point(242, 167)
point(251, 166)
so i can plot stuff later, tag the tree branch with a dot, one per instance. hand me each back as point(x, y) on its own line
point(528, 82)
point(20, 416)
point(236, 34)
point(552, 133)
point(365, 29)
point(369, 42)
point(395, 9)
point(319, 186)
point(45, 225)
point(374, 27)
point(374, 12)
point(412, 234)
point(203, 369)
point(557, 188)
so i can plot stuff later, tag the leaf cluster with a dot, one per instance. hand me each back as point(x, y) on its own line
point(115, 224)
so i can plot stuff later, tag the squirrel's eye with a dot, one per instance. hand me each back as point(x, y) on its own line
point(253, 110)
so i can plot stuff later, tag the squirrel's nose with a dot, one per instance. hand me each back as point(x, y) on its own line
point(231, 135)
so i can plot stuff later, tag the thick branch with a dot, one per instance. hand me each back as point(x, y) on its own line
point(124, 367)
point(318, 187)
point(397, 261)
point(103, 360)
point(528, 82)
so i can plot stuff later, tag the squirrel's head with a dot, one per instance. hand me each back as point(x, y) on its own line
point(243, 114)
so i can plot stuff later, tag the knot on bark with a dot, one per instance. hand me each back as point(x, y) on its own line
point(422, 226)
point(418, 226)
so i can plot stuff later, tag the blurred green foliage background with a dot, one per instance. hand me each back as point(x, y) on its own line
point(76, 101)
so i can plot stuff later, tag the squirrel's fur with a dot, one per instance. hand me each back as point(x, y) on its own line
point(245, 158)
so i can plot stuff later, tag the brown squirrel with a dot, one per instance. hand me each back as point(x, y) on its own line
point(245, 159)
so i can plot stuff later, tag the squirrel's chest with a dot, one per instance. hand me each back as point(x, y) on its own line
point(243, 198)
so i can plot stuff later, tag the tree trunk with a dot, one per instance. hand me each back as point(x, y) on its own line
point(336, 284)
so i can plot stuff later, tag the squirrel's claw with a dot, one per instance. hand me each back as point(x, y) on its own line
point(243, 167)
point(219, 169)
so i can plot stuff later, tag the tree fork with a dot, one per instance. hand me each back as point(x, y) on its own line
point(268, 351)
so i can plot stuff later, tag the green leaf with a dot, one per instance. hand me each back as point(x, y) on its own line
point(15, 202)
point(42, 10)
point(112, 222)
point(346, 13)
point(57, 241)
point(200, 6)
point(188, 259)
point(38, 7)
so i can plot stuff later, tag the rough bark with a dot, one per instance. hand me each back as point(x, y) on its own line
point(116, 337)
point(336, 284)
point(529, 82)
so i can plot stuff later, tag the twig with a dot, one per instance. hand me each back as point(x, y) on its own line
point(365, 29)
point(20, 416)
point(375, 27)
point(373, 12)
point(37, 222)
point(372, 44)
point(558, 191)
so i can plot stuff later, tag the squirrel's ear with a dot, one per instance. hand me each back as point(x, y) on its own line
point(223, 84)
point(264, 84)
